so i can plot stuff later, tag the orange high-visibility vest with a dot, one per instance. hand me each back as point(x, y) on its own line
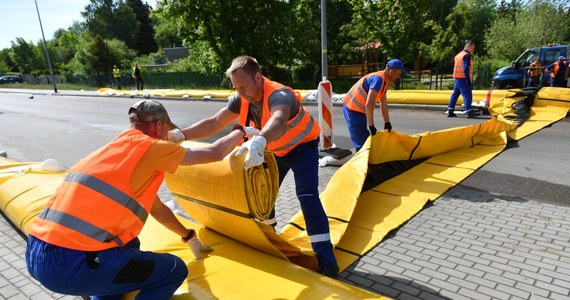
point(534, 72)
point(458, 66)
point(94, 208)
point(555, 69)
point(300, 129)
point(355, 99)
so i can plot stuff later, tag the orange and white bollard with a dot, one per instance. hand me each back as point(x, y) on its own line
point(325, 114)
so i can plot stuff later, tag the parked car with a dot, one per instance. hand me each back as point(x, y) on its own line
point(515, 75)
point(10, 79)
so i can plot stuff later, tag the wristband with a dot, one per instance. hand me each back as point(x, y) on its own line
point(239, 127)
point(190, 235)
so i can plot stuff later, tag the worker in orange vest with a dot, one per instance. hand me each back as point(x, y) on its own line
point(558, 72)
point(463, 80)
point(85, 241)
point(534, 73)
point(358, 103)
point(285, 128)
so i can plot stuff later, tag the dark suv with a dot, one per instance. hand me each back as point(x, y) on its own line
point(10, 79)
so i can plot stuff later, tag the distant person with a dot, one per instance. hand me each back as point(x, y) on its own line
point(535, 73)
point(558, 72)
point(463, 80)
point(137, 75)
point(85, 241)
point(117, 76)
point(359, 102)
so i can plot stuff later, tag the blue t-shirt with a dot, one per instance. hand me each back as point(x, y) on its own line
point(372, 82)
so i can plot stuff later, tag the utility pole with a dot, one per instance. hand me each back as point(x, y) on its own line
point(46, 49)
point(324, 58)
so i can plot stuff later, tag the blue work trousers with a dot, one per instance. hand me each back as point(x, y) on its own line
point(463, 88)
point(303, 160)
point(357, 126)
point(106, 274)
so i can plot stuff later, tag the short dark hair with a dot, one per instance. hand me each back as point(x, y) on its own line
point(469, 43)
point(246, 63)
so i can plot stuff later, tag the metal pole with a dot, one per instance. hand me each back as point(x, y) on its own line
point(46, 49)
point(324, 64)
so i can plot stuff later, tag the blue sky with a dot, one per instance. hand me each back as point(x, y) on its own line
point(18, 18)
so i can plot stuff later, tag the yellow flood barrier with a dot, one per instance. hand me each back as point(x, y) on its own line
point(233, 271)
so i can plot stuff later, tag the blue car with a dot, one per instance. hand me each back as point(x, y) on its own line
point(516, 76)
point(10, 79)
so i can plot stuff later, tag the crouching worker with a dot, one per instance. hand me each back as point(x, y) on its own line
point(85, 241)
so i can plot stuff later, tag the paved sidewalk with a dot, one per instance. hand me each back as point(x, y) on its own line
point(468, 244)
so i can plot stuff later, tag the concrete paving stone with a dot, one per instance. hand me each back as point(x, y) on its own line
point(504, 267)
point(401, 256)
point(405, 288)
point(558, 277)
point(361, 281)
point(534, 262)
point(426, 264)
point(483, 250)
point(434, 254)
point(424, 243)
point(434, 274)
point(392, 267)
point(477, 260)
point(496, 294)
point(519, 278)
point(373, 269)
point(452, 272)
point(462, 283)
point(444, 284)
point(481, 281)
point(408, 266)
point(523, 266)
point(460, 261)
point(417, 276)
point(555, 296)
point(385, 290)
point(488, 269)
point(472, 294)
point(8, 292)
point(537, 297)
point(443, 262)
point(461, 246)
point(552, 287)
point(532, 289)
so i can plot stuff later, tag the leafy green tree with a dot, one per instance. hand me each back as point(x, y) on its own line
point(231, 28)
point(100, 59)
point(26, 56)
point(166, 31)
point(145, 42)
point(531, 26)
point(111, 19)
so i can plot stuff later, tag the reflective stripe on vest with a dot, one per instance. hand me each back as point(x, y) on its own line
point(458, 65)
point(301, 128)
point(79, 225)
point(116, 73)
point(356, 97)
point(110, 192)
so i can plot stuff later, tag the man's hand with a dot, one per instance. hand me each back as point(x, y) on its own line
point(176, 135)
point(251, 131)
point(388, 126)
point(255, 147)
point(196, 246)
point(372, 129)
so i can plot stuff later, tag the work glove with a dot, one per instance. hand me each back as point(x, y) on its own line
point(372, 129)
point(196, 246)
point(255, 147)
point(388, 126)
point(176, 135)
point(251, 131)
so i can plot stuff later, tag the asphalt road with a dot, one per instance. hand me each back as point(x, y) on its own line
point(66, 128)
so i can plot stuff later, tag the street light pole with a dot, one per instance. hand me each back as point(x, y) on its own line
point(46, 49)
point(324, 64)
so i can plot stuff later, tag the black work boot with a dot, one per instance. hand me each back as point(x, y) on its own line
point(331, 271)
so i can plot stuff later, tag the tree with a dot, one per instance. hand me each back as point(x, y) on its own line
point(26, 56)
point(111, 19)
point(145, 42)
point(100, 59)
point(231, 28)
point(531, 26)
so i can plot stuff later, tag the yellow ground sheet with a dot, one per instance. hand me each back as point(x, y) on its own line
point(252, 261)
